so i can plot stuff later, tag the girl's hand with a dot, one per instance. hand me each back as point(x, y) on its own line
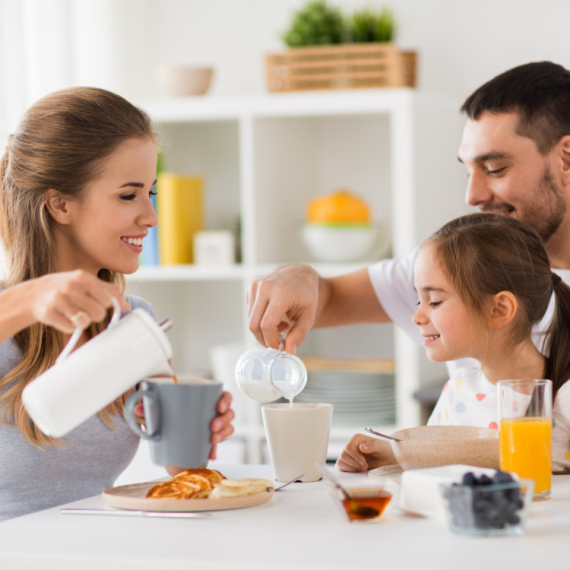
point(71, 299)
point(363, 453)
point(222, 425)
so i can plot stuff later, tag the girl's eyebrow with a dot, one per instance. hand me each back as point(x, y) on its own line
point(428, 289)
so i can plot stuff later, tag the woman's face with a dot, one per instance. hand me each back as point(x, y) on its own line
point(107, 226)
point(450, 328)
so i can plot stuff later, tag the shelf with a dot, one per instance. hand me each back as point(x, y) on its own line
point(262, 159)
point(165, 273)
point(349, 102)
point(159, 273)
point(337, 433)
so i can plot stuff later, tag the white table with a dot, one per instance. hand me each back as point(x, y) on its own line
point(300, 527)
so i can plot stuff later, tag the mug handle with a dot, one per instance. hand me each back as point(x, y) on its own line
point(79, 331)
point(130, 413)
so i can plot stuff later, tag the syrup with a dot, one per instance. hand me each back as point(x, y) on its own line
point(378, 500)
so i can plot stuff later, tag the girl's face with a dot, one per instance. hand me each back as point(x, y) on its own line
point(106, 227)
point(450, 329)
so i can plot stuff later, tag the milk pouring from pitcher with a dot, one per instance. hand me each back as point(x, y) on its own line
point(80, 384)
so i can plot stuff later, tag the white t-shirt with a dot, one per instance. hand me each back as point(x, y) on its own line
point(469, 399)
point(393, 282)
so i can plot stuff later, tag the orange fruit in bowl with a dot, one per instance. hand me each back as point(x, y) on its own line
point(338, 209)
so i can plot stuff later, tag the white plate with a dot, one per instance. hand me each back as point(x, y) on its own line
point(133, 497)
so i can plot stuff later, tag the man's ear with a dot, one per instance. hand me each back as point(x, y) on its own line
point(503, 309)
point(564, 155)
point(57, 206)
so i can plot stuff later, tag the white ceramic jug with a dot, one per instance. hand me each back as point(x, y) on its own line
point(80, 384)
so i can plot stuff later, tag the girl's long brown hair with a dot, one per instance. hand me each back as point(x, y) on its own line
point(484, 254)
point(61, 143)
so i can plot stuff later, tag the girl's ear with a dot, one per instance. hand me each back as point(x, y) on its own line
point(504, 307)
point(57, 206)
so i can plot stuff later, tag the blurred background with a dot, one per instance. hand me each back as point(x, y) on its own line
point(51, 44)
point(254, 164)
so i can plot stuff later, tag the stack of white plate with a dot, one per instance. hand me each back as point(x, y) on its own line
point(359, 398)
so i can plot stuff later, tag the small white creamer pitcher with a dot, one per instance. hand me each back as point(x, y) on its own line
point(80, 384)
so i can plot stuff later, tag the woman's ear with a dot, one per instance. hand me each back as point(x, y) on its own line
point(504, 307)
point(57, 206)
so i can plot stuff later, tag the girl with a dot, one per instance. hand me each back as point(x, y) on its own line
point(483, 281)
point(76, 182)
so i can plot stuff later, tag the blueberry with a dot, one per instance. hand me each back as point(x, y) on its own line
point(469, 479)
point(485, 480)
point(513, 519)
point(501, 477)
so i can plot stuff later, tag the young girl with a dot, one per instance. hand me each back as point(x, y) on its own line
point(76, 182)
point(483, 281)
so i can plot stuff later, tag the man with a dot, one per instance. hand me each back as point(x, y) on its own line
point(516, 149)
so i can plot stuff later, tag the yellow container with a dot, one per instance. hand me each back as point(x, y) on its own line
point(180, 216)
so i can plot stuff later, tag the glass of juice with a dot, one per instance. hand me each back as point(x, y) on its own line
point(525, 431)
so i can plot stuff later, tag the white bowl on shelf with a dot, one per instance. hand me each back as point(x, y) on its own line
point(182, 81)
point(341, 243)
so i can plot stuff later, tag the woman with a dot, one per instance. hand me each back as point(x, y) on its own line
point(75, 204)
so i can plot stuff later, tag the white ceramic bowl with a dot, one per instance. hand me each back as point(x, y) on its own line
point(338, 243)
point(181, 81)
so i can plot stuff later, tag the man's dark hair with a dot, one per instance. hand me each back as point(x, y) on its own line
point(539, 92)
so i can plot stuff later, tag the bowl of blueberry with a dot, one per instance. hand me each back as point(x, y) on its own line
point(483, 506)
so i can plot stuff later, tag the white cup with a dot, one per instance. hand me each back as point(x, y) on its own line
point(298, 437)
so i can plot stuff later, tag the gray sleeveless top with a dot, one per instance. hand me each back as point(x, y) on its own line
point(92, 456)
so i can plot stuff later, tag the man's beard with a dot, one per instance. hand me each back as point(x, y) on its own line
point(547, 212)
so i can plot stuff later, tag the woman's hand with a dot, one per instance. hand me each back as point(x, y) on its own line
point(71, 299)
point(363, 453)
point(290, 294)
point(222, 425)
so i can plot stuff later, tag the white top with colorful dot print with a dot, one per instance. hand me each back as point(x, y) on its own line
point(469, 399)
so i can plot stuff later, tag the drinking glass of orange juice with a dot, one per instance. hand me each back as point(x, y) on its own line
point(525, 431)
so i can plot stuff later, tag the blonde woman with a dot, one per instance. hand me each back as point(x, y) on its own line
point(76, 182)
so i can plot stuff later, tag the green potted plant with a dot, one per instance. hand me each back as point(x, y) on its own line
point(370, 26)
point(316, 24)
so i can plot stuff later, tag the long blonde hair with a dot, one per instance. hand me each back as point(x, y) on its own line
point(60, 143)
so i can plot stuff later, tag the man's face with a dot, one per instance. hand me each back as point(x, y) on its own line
point(508, 175)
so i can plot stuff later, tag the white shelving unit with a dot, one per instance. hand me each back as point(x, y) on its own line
point(262, 160)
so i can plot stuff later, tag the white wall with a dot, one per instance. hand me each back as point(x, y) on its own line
point(461, 43)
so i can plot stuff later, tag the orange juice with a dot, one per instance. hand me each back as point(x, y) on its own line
point(525, 449)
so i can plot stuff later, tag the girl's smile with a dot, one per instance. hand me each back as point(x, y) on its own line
point(450, 330)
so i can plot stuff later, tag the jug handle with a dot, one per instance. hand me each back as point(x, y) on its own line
point(79, 331)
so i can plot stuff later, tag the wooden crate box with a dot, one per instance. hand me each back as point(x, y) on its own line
point(346, 66)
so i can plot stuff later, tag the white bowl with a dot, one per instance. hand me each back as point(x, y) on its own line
point(338, 243)
point(180, 81)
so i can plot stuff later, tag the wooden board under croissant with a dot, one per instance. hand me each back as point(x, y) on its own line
point(133, 497)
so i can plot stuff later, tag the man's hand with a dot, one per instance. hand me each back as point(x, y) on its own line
point(289, 295)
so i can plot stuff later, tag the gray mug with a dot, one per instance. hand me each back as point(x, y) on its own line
point(178, 418)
